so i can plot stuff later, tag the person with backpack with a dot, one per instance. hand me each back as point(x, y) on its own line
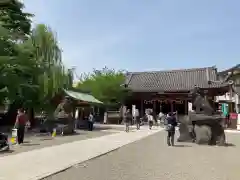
point(170, 128)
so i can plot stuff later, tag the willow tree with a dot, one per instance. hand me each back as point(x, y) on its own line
point(31, 68)
point(47, 54)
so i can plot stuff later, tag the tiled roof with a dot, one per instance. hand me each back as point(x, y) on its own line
point(175, 80)
point(225, 72)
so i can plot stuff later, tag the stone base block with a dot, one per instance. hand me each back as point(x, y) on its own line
point(203, 134)
point(184, 133)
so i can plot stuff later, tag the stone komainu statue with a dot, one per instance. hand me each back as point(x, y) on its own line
point(201, 103)
point(208, 126)
point(63, 114)
point(202, 126)
point(63, 110)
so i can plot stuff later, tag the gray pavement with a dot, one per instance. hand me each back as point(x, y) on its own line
point(35, 141)
point(42, 162)
point(151, 159)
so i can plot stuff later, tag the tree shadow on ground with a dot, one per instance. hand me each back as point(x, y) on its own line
point(7, 152)
point(101, 128)
point(182, 145)
point(31, 144)
point(72, 134)
point(230, 145)
point(215, 145)
point(46, 139)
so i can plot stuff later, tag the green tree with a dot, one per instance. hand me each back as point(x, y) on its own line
point(31, 68)
point(14, 19)
point(15, 66)
point(46, 52)
point(17, 72)
point(106, 85)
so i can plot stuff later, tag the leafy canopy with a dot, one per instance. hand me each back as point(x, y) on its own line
point(105, 85)
point(31, 67)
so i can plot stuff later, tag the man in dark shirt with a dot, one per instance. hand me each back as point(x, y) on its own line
point(171, 124)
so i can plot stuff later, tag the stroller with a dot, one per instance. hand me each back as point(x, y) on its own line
point(4, 145)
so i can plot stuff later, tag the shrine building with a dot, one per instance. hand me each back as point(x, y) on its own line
point(168, 91)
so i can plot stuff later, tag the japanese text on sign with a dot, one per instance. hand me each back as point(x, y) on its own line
point(165, 101)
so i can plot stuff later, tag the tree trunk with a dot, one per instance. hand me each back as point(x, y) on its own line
point(31, 117)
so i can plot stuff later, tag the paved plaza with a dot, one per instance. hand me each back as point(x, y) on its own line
point(151, 159)
point(36, 141)
point(116, 155)
point(39, 163)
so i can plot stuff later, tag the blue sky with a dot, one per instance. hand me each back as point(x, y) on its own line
point(143, 35)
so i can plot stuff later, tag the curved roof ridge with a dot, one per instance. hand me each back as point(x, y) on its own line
point(230, 69)
point(174, 70)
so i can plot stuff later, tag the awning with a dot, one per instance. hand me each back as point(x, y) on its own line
point(82, 97)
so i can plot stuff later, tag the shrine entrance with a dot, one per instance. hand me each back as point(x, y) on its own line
point(163, 105)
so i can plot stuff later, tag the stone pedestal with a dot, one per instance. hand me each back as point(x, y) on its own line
point(184, 130)
point(184, 133)
point(203, 134)
point(207, 130)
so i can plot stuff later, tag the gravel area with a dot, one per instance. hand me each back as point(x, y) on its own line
point(36, 142)
point(152, 159)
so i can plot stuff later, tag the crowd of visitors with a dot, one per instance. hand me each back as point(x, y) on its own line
point(169, 120)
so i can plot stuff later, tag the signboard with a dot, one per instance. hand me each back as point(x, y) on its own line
point(233, 116)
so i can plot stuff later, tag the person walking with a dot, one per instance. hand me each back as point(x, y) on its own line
point(90, 121)
point(170, 127)
point(159, 118)
point(20, 125)
point(128, 119)
point(150, 120)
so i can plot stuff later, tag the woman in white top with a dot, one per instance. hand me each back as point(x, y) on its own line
point(150, 120)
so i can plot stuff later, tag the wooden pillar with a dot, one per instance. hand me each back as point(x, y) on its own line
point(154, 109)
point(141, 111)
point(171, 106)
point(186, 106)
point(160, 106)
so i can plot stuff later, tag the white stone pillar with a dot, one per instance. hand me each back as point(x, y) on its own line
point(238, 122)
point(105, 118)
point(236, 99)
point(190, 107)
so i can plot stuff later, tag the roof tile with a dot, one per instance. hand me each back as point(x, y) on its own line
point(175, 80)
